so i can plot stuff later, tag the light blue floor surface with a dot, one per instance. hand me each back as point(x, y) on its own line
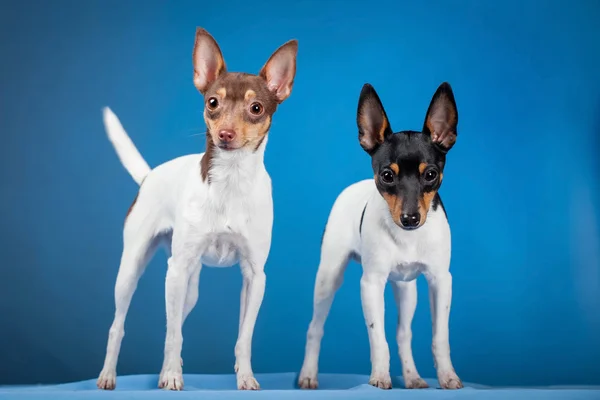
point(283, 387)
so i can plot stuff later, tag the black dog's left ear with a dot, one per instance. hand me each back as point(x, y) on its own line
point(373, 124)
point(442, 118)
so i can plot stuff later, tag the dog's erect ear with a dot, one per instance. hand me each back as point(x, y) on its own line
point(373, 124)
point(208, 60)
point(442, 118)
point(280, 70)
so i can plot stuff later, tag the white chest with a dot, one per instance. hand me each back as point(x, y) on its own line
point(225, 215)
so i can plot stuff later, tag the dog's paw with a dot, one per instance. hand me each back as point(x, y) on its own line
point(415, 383)
point(449, 380)
point(247, 382)
point(170, 380)
point(307, 382)
point(381, 381)
point(308, 377)
point(107, 380)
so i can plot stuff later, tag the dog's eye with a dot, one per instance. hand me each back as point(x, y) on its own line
point(387, 176)
point(256, 108)
point(212, 103)
point(430, 175)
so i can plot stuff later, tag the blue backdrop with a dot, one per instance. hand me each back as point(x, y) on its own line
point(521, 186)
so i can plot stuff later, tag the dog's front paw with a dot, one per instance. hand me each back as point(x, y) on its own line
point(107, 380)
point(449, 380)
point(171, 380)
point(306, 382)
point(415, 383)
point(247, 382)
point(381, 380)
point(308, 378)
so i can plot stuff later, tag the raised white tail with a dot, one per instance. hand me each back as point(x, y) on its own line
point(129, 155)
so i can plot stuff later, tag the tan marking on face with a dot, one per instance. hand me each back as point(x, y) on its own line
point(424, 205)
point(222, 92)
point(394, 167)
point(441, 178)
point(422, 167)
point(394, 204)
point(252, 133)
point(215, 125)
point(250, 94)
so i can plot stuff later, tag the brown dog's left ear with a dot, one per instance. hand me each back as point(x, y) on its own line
point(279, 71)
point(373, 124)
point(442, 118)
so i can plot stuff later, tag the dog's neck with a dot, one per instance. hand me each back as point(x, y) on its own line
point(235, 170)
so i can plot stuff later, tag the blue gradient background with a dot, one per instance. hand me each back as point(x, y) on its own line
point(521, 186)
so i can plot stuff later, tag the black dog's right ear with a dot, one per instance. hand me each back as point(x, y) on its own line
point(373, 124)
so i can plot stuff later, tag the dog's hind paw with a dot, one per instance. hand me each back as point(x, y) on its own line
point(381, 381)
point(247, 383)
point(171, 380)
point(308, 383)
point(107, 380)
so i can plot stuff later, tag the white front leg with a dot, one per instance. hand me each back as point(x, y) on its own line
point(251, 299)
point(372, 287)
point(440, 296)
point(182, 264)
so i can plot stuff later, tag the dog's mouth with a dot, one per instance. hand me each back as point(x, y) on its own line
point(232, 146)
point(409, 228)
point(228, 146)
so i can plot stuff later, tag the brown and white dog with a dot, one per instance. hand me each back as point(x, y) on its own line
point(213, 208)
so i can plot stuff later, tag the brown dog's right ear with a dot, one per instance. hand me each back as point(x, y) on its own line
point(208, 60)
point(373, 124)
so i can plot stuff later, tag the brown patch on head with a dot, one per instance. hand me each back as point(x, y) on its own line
point(394, 167)
point(238, 106)
point(425, 204)
point(422, 167)
point(246, 109)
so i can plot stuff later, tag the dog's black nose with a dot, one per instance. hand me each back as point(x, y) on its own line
point(410, 220)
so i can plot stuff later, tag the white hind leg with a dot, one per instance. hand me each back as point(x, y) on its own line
point(334, 259)
point(139, 244)
point(405, 294)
